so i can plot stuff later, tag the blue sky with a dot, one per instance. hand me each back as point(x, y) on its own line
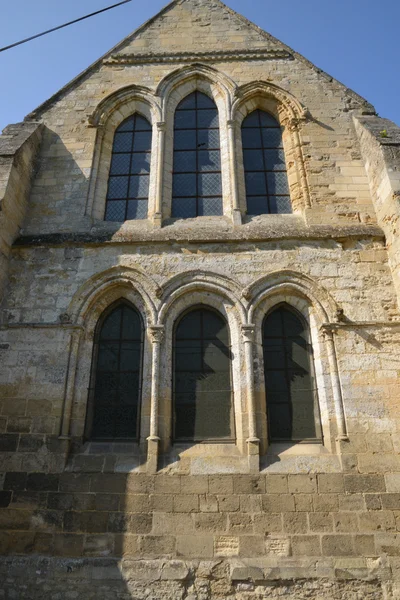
point(355, 44)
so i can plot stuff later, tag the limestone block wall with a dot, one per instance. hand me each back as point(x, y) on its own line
point(18, 147)
point(380, 146)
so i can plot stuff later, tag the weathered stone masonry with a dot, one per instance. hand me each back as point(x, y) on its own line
point(244, 520)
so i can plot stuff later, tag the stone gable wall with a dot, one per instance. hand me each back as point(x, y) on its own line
point(246, 520)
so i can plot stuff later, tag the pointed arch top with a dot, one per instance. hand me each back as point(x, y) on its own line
point(179, 77)
point(94, 289)
point(290, 109)
point(293, 282)
point(118, 99)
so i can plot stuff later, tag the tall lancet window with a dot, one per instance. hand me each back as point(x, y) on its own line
point(202, 378)
point(114, 400)
point(292, 406)
point(197, 182)
point(128, 184)
point(267, 188)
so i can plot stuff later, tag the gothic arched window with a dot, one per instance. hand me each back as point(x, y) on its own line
point(128, 184)
point(202, 378)
point(267, 188)
point(114, 402)
point(197, 181)
point(292, 405)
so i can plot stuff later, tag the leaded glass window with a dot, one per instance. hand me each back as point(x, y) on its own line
point(197, 182)
point(292, 406)
point(202, 378)
point(128, 184)
point(116, 378)
point(267, 188)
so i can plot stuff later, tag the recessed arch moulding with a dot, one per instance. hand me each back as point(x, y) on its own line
point(243, 309)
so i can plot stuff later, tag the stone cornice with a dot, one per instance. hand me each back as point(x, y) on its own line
point(189, 57)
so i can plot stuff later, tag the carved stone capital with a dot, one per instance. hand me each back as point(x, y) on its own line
point(161, 126)
point(156, 333)
point(230, 124)
point(248, 333)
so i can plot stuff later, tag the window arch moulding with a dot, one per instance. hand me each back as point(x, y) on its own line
point(290, 115)
point(107, 117)
point(175, 88)
point(316, 308)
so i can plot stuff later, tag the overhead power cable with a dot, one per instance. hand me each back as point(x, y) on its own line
point(62, 26)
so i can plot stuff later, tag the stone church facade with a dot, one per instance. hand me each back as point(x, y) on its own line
point(200, 327)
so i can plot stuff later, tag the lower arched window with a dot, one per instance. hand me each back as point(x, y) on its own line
point(202, 378)
point(114, 401)
point(292, 405)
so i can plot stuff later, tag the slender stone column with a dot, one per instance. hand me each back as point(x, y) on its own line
point(157, 217)
point(156, 335)
point(253, 442)
point(70, 383)
point(336, 386)
point(236, 214)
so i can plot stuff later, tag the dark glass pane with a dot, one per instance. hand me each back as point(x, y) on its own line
point(209, 184)
point(108, 356)
point(184, 162)
point(210, 207)
point(123, 142)
point(216, 357)
point(111, 329)
point(209, 160)
point(142, 124)
point(130, 356)
point(137, 210)
point(280, 421)
point(288, 378)
point(214, 327)
point(280, 205)
point(251, 138)
point(185, 119)
point(188, 102)
point(275, 160)
point(141, 163)
point(204, 101)
point(142, 141)
point(131, 325)
point(120, 164)
point(115, 210)
point(272, 138)
point(274, 356)
point(117, 385)
point(189, 327)
point(184, 208)
point(253, 160)
point(277, 183)
point(184, 185)
point(257, 205)
point(139, 186)
point(185, 140)
point(293, 326)
point(188, 355)
point(208, 138)
point(274, 324)
point(255, 184)
point(252, 120)
point(118, 187)
point(267, 120)
point(202, 381)
point(127, 125)
point(207, 118)
point(106, 388)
